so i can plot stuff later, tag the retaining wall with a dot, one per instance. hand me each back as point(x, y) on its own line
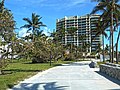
point(113, 70)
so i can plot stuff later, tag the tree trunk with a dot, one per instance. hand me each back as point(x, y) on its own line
point(71, 47)
point(103, 49)
point(112, 36)
point(0, 72)
point(116, 53)
point(50, 58)
point(117, 47)
point(110, 47)
point(12, 53)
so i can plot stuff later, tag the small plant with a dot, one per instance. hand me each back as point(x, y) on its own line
point(10, 85)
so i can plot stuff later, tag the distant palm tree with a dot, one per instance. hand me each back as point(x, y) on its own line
point(82, 39)
point(59, 35)
point(111, 11)
point(33, 24)
point(98, 48)
point(71, 31)
point(62, 34)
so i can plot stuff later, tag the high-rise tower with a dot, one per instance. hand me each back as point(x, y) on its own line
point(85, 25)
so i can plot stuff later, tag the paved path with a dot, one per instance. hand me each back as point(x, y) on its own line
point(68, 77)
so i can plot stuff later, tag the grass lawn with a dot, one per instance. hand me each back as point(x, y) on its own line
point(18, 71)
point(100, 63)
point(105, 62)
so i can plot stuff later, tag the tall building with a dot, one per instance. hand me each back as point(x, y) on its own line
point(85, 26)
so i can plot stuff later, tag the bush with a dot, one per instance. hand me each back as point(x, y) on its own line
point(69, 57)
point(38, 60)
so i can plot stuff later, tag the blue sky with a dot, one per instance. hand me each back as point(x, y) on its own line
point(49, 10)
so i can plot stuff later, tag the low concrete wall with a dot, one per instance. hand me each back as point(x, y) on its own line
point(113, 70)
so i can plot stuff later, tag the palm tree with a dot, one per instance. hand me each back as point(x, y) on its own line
point(35, 49)
point(110, 10)
point(57, 36)
point(82, 38)
point(71, 31)
point(98, 48)
point(33, 24)
point(84, 45)
point(117, 47)
point(61, 34)
point(100, 30)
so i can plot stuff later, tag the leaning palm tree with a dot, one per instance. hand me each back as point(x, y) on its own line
point(110, 10)
point(33, 24)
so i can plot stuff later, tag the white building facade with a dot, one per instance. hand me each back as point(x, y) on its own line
point(85, 25)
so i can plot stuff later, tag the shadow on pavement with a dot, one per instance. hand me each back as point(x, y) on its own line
point(19, 70)
point(109, 78)
point(75, 64)
point(36, 86)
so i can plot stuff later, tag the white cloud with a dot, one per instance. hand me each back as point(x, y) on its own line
point(75, 2)
point(60, 4)
point(23, 32)
point(54, 4)
point(46, 31)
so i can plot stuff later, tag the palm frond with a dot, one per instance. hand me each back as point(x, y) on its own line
point(27, 20)
point(28, 31)
point(97, 9)
point(33, 24)
point(26, 26)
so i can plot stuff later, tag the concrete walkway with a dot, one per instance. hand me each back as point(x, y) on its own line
point(77, 76)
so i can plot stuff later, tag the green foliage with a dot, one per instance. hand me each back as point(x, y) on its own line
point(7, 26)
point(39, 47)
point(7, 23)
point(72, 31)
point(33, 25)
point(43, 49)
